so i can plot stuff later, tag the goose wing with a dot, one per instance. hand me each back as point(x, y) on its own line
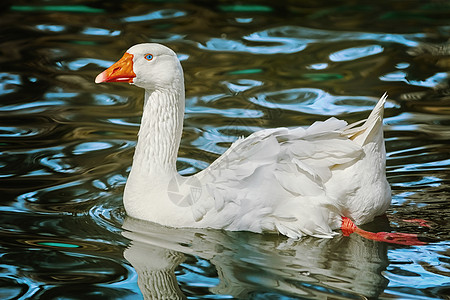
point(277, 176)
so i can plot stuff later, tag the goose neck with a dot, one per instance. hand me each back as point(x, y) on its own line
point(160, 132)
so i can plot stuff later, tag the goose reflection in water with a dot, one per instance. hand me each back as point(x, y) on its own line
point(249, 264)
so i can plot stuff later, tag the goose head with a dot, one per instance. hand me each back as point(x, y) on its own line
point(150, 66)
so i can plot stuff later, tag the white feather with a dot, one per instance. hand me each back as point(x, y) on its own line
point(295, 181)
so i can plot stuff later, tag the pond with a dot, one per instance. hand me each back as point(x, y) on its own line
point(66, 144)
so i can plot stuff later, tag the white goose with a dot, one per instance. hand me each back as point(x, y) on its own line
point(301, 181)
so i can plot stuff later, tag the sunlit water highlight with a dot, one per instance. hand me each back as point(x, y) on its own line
point(66, 145)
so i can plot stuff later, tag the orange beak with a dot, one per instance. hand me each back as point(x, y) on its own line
point(121, 71)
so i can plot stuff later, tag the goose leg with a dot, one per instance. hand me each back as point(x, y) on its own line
point(348, 227)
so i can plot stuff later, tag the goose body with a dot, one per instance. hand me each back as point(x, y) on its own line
point(295, 181)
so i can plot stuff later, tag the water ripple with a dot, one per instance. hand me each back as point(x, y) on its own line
point(280, 46)
point(51, 27)
point(9, 83)
point(293, 39)
point(156, 15)
point(424, 267)
point(100, 31)
point(310, 35)
point(67, 143)
point(431, 81)
point(355, 53)
point(314, 101)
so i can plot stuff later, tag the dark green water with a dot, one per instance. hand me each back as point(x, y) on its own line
point(66, 144)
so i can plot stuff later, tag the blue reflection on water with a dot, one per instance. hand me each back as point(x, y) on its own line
point(229, 113)
point(48, 27)
point(83, 148)
point(314, 101)
point(318, 66)
point(9, 83)
point(433, 165)
point(156, 15)
point(32, 107)
point(100, 31)
point(244, 20)
point(355, 53)
point(109, 99)
point(414, 263)
point(36, 196)
point(401, 66)
point(288, 46)
point(242, 85)
point(125, 121)
point(79, 63)
point(431, 81)
point(58, 93)
point(9, 131)
point(195, 276)
point(57, 164)
point(292, 39)
point(427, 180)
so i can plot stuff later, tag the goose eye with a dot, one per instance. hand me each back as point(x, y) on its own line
point(148, 56)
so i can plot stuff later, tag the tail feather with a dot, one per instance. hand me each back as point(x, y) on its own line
point(371, 127)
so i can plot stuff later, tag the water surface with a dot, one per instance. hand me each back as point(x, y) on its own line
point(66, 144)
